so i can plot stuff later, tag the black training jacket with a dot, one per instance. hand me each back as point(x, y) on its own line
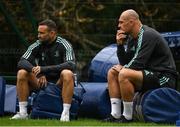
point(52, 58)
point(152, 53)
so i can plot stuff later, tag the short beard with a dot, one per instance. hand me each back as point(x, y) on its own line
point(44, 41)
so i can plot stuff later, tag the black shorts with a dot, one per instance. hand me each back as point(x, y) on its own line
point(153, 80)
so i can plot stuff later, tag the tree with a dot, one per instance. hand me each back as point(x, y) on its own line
point(89, 25)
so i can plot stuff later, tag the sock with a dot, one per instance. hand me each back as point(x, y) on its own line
point(115, 107)
point(128, 110)
point(66, 107)
point(23, 107)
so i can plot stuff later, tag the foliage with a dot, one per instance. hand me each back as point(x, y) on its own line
point(89, 25)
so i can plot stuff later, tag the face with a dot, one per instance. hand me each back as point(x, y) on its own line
point(44, 35)
point(125, 24)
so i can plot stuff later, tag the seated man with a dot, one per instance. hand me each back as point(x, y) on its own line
point(147, 63)
point(49, 59)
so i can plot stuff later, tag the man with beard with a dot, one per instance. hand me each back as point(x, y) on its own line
point(49, 59)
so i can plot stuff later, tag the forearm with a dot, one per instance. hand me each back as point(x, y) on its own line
point(122, 55)
point(56, 68)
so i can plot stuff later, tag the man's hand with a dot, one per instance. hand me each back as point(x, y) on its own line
point(36, 70)
point(121, 37)
point(117, 67)
point(42, 82)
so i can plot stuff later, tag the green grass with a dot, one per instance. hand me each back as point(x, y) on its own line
point(4, 121)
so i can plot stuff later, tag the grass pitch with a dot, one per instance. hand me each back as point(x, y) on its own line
point(5, 121)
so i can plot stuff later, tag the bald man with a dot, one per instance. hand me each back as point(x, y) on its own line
point(146, 63)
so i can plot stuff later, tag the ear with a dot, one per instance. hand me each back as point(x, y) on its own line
point(131, 21)
point(52, 33)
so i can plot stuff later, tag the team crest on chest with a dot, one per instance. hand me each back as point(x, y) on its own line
point(56, 53)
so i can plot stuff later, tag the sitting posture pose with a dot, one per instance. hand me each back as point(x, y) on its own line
point(50, 59)
point(146, 63)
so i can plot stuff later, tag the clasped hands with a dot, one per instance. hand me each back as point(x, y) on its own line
point(42, 82)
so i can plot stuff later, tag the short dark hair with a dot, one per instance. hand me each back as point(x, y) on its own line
point(50, 23)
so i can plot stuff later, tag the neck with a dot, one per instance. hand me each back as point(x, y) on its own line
point(137, 29)
point(53, 39)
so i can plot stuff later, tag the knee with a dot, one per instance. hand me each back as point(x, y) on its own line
point(22, 74)
point(111, 73)
point(67, 75)
point(123, 75)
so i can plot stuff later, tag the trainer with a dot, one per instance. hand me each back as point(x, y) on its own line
point(146, 63)
point(49, 59)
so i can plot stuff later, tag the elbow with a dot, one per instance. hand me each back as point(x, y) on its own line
point(19, 65)
point(72, 65)
point(24, 64)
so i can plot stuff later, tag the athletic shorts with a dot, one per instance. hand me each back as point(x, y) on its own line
point(153, 80)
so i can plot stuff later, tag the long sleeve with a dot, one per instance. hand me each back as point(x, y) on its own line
point(151, 52)
point(56, 68)
point(66, 52)
point(27, 60)
point(143, 52)
point(31, 52)
point(25, 64)
point(123, 56)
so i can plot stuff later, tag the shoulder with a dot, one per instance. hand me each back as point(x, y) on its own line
point(34, 45)
point(148, 31)
point(63, 42)
point(151, 34)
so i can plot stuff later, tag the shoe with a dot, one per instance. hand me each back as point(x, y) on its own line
point(124, 120)
point(111, 119)
point(65, 117)
point(20, 116)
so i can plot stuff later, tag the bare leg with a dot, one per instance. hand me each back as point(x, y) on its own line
point(66, 81)
point(25, 83)
point(113, 84)
point(129, 81)
point(114, 92)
